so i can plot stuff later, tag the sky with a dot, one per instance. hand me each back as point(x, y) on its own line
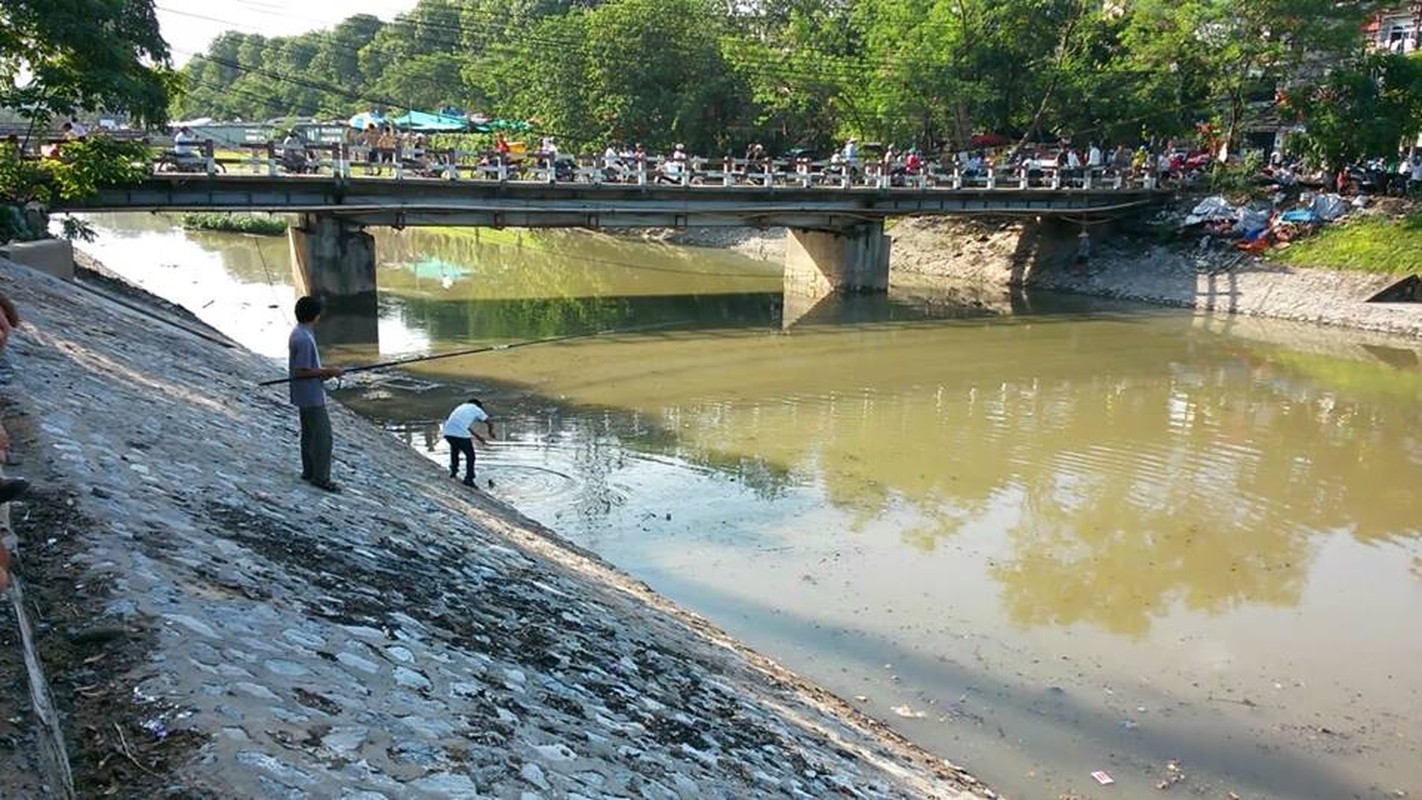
point(189, 25)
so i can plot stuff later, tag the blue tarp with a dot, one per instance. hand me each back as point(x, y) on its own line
point(423, 121)
point(365, 119)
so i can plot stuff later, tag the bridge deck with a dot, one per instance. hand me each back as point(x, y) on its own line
point(436, 201)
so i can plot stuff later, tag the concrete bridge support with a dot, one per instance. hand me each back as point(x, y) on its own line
point(335, 260)
point(855, 259)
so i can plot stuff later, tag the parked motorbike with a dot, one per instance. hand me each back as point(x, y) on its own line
point(170, 161)
point(299, 162)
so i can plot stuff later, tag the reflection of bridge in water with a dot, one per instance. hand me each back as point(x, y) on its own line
point(836, 235)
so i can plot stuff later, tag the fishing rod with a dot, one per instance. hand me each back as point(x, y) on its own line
point(485, 349)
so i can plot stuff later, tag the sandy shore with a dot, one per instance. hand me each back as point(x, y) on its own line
point(212, 626)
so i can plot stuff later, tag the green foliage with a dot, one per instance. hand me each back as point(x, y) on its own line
point(82, 168)
point(88, 165)
point(28, 186)
point(1236, 179)
point(716, 75)
point(1361, 109)
point(63, 56)
point(1374, 243)
point(231, 222)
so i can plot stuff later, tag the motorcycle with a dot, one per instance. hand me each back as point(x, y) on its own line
point(170, 161)
point(299, 162)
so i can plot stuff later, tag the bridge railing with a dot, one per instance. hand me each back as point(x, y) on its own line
point(353, 162)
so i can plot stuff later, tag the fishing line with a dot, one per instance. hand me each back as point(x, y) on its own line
point(271, 283)
point(485, 349)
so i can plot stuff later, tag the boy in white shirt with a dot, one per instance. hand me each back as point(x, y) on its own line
point(459, 432)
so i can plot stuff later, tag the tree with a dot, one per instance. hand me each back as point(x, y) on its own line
point(1200, 58)
point(62, 56)
point(1362, 109)
point(428, 81)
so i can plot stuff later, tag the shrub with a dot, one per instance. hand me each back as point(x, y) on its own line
point(230, 222)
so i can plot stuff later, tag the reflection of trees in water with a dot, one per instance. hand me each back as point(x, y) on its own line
point(1132, 493)
point(549, 264)
point(249, 258)
point(493, 287)
point(1210, 495)
point(1175, 473)
point(476, 321)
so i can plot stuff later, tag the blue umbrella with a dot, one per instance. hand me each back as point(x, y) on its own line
point(365, 119)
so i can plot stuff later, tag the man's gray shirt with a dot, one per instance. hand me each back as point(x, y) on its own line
point(301, 354)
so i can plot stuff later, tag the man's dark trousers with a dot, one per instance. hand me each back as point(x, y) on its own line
point(461, 445)
point(315, 444)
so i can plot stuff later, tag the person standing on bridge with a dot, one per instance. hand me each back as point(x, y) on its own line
point(308, 394)
point(459, 432)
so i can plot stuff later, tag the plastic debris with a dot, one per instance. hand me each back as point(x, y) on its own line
point(1103, 778)
point(156, 727)
point(908, 713)
point(1173, 775)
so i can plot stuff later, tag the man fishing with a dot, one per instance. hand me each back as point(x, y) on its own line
point(459, 432)
point(308, 394)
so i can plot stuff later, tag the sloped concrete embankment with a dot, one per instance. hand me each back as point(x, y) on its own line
point(215, 627)
point(1044, 254)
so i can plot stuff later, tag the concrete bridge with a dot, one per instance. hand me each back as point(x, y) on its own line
point(835, 220)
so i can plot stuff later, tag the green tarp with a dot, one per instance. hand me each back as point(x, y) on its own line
point(489, 126)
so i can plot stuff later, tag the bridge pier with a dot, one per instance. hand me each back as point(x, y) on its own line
point(335, 260)
point(855, 259)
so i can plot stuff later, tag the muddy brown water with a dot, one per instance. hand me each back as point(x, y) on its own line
point(1040, 536)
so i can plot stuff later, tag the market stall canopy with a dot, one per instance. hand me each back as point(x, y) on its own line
point(425, 121)
point(365, 119)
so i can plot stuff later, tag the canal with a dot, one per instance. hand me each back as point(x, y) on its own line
point(1041, 536)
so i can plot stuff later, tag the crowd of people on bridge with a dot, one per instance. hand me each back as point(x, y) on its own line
point(1066, 162)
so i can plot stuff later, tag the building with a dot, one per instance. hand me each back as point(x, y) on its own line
point(1396, 29)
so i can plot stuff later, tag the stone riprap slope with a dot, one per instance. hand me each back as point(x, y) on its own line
point(407, 638)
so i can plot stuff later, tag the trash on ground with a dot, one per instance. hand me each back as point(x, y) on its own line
point(1102, 777)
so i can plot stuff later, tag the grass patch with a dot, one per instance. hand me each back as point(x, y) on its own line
point(229, 222)
point(1373, 243)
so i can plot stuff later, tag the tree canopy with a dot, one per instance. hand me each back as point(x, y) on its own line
point(62, 56)
point(716, 74)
